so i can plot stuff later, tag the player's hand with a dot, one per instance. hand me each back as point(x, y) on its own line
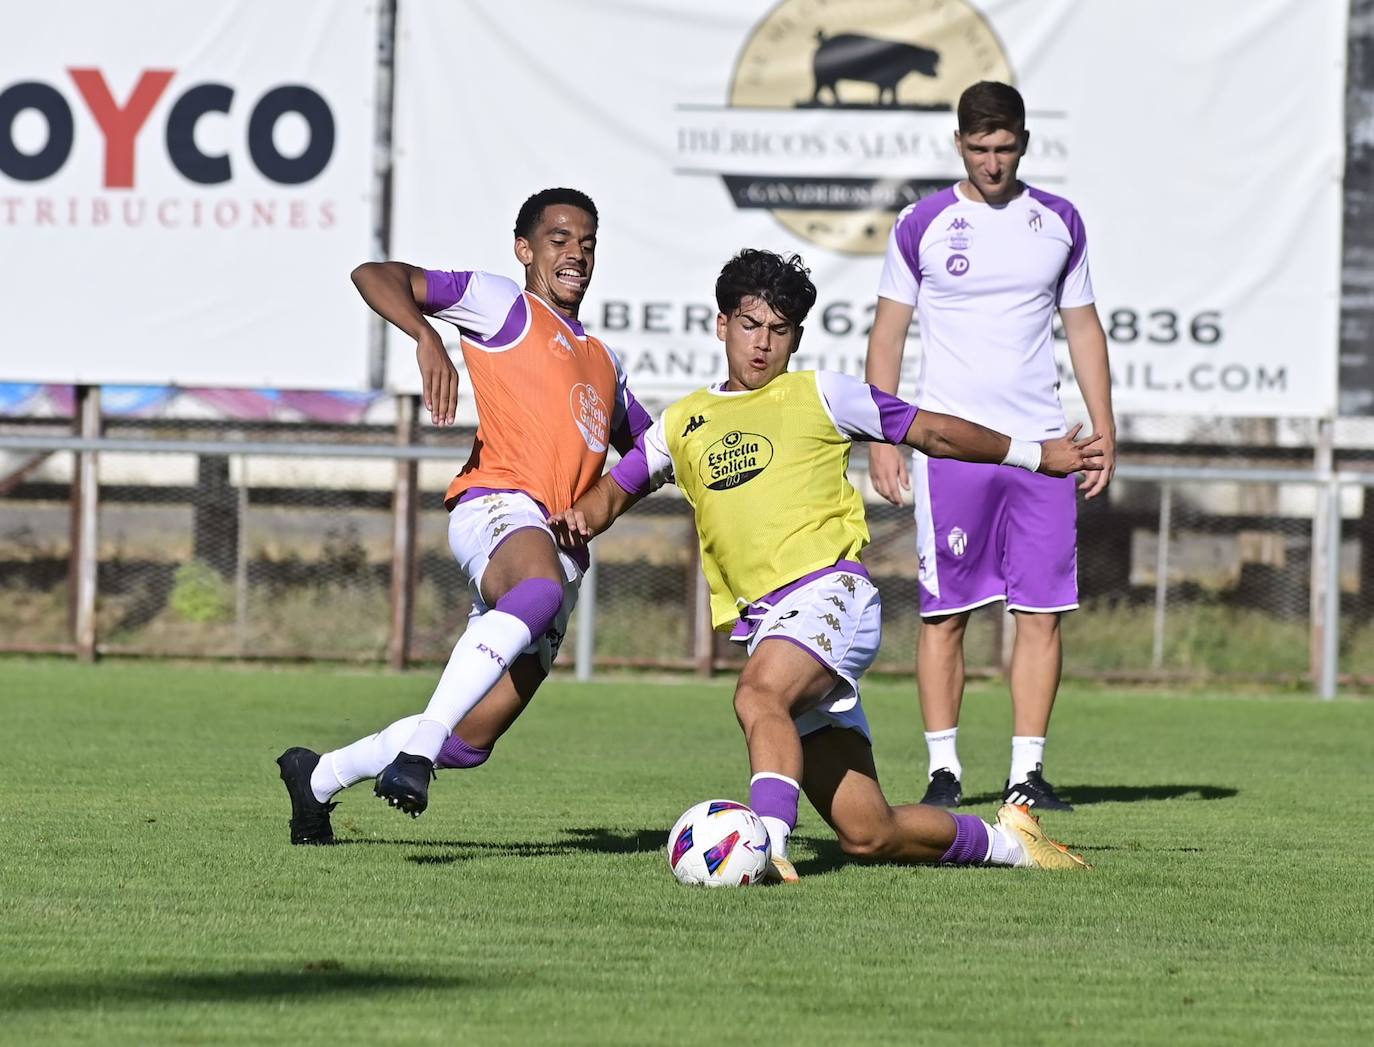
point(1095, 482)
point(438, 378)
point(887, 469)
point(1065, 454)
point(570, 529)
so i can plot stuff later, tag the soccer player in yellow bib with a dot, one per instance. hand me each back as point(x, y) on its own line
point(763, 459)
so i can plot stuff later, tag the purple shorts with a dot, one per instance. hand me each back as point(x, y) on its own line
point(990, 532)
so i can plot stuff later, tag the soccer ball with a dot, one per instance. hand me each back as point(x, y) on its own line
point(719, 843)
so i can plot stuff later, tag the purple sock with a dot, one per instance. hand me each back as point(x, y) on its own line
point(535, 601)
point(774, 798)
point(457, 753)
point(971, 842)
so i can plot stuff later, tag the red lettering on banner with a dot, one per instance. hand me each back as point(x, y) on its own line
point(162, 217)
point(264, 212)
point(100, 211)
point(297, 214)
point(10, 202)
point(120, 125)
point(43, 212)
point(327, 214)
point(226, 213)
point(134, 211)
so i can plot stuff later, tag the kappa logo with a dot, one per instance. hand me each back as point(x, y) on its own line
point(832, 621)
point(958, 541)
point(837, 602)
point(693, 424)
point(500, 529)
point(847, 580)
point(561, 343)
point(959, 224)
point(1034, 221)
point(823, 642)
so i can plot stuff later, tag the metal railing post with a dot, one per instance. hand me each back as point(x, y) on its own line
point(585, 664)
point(86, 555)
point(1166, 523)
point(1322, 458)
point(1331, 635)
point(404, 499)
point(241, 561)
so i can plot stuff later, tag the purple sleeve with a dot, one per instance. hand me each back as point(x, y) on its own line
point(863, 412)
point(633, 423)
point(895, 414)
point(444, 288)
point(632, 471)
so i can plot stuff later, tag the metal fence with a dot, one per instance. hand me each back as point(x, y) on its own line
point(212, 540)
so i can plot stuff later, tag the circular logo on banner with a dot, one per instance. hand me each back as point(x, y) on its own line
point(590, 413)
point(734, 459)
point(859, 69)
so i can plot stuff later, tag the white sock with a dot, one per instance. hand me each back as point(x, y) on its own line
point(1026, 753)
point(1005, 848)
point(778, 832)
point(363, 759)
point(943, 753)
point(480, 657)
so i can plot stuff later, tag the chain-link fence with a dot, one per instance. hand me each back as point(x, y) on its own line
point(211, 540)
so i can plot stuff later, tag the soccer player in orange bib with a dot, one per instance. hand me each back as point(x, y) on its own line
point(551, 399)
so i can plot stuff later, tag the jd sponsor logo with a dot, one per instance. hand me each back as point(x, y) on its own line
point(956, 265)
point(734, 459)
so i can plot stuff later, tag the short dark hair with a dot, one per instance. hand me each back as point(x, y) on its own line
point(784, 283)
point(533, 209)
point(990, 106)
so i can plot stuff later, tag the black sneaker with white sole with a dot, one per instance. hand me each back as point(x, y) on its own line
point(944, 790)
point(309, 817)
point(1035, 793)
point(404, 783)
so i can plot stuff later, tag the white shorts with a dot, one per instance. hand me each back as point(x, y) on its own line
point(475, 529)
point(838, 620)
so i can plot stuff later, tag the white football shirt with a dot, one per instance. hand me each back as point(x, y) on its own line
point(986, 282)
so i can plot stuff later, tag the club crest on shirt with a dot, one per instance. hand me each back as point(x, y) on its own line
point(734, 459)
point(591, 414)
point(958, 541)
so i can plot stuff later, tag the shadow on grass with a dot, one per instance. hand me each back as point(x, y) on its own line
point(1082, 795)
point(322, 978)
point(582, 841)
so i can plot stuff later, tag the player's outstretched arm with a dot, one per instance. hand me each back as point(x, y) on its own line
point(591, 514)
point(883, 369)
point(396, 291)
point(945, 436)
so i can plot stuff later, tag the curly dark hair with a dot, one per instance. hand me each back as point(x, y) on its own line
point(533, 209)
point(784, 283)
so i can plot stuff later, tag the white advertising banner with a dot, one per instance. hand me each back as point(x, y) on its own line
point(183, 191)
point(1202, 144)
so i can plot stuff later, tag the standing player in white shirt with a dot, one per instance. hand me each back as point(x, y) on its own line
point(985, 264)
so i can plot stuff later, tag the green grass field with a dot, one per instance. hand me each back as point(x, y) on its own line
point(148, 894)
